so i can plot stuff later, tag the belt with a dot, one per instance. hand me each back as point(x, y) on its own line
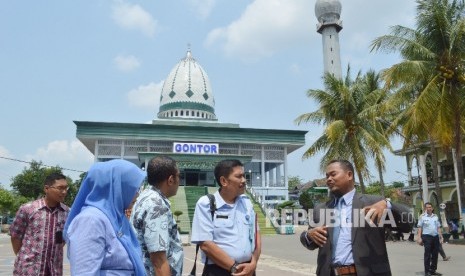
point(345, 270)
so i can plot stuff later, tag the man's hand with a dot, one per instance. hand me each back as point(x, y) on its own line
point(318, 235)
point(375, 211)
point(246, 269)
point(420, 241)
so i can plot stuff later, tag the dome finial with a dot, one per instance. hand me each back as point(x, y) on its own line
point(189, 53)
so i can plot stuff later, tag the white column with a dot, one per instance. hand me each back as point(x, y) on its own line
point(262, 164)
point(286, 184)
point(273, 178)
point(424, 178)
point(279, 178)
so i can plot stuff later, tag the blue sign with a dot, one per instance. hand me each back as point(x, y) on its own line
point(195, 148)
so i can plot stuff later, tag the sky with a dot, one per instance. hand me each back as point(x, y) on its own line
point(105, 61)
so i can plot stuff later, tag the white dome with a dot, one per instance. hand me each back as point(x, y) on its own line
point(327, 8)
point(187, 92)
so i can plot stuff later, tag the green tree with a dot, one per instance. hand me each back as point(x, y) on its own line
point(10, 202)
point(18, 200)
point(74, 189)
point(346, 109)
point(177, 213)
point(305, 199)
point(398, 184)
point(293, 182)
point(433, 70)
point(372, 86)
point(30, 182)
point(6, 201)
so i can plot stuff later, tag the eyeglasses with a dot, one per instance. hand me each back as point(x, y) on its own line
point(60, 188)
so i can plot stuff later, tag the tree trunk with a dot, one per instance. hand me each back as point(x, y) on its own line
point(381, 181)
point(360, 180)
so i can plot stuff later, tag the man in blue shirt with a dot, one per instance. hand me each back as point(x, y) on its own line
point(230, 240)
point(348, 245)
point(430, 236)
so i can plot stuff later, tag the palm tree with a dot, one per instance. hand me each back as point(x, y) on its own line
point(346, 109)
point(434, 52)
point(372, 85)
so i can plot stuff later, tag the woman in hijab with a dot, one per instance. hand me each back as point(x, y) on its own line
point(100, 239)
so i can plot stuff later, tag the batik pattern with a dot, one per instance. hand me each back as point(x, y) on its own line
point(156, 230)
point(36, 224)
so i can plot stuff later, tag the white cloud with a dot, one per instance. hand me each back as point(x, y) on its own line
point(203, 8)
point(269, 26)
point(67, 154)
point(265, 27)
point(71, 155)
point(134, 17)
point(359, 30)
point(146, 96)
point(126, 63)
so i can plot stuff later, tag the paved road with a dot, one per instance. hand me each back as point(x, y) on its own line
point(283, 255)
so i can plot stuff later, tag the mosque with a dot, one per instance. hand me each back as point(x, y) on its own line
point(187, 129)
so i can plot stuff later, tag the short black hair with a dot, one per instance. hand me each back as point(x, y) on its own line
point(345, 164)
point(225, 167)
point(51, 178)
point(160, 168)
point(428, 203)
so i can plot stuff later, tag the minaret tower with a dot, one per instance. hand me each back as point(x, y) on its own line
point(329, 25)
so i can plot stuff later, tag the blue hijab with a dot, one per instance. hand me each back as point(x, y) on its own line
point(110, 186)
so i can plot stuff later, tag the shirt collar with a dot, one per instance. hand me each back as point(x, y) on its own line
point(220, 201)
point(60, 205)
point(165, 199)
point(349, 197)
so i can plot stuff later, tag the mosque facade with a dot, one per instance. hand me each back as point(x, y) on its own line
point(187, 129)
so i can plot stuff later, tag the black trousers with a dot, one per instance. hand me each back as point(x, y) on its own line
point(214, 270)
point(431, 244)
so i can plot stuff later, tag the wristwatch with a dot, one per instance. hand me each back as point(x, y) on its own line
point(233, 268)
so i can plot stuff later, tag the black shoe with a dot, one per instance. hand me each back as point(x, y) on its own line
point(427, 274)
point(435, 273)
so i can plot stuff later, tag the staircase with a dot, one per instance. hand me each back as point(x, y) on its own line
point(179, 203)
point(266, 227)
point(262, 222)
point(187, 197)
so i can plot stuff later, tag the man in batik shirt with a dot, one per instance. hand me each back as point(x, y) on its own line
point(36, 232)
point(154, 223)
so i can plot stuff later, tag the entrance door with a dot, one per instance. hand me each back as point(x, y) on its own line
point(192, 178)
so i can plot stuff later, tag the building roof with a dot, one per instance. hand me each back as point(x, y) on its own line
point(187, 131)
